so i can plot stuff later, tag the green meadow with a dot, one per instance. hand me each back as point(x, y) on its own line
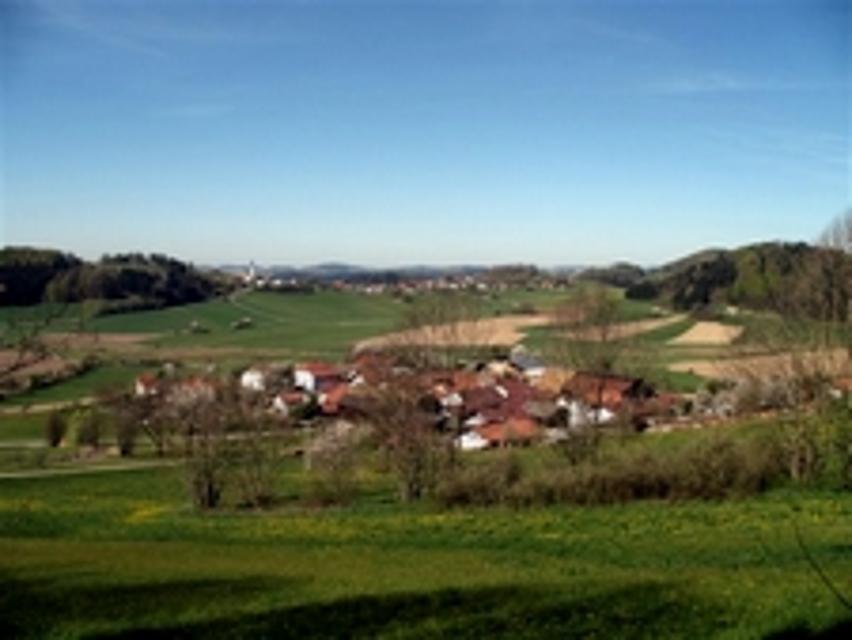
point(90, 552)
point(122, 555)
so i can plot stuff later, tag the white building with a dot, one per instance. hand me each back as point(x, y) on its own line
point(253, 379)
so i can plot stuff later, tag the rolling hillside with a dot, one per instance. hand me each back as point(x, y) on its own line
point(769, 276)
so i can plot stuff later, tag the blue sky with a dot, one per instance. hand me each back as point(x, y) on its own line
point(422, 132)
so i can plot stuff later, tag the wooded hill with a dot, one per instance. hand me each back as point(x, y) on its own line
point(30, 276)
point(789, 278)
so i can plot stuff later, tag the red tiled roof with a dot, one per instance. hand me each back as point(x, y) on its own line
point(608, 390)
point(148, 380)
point(320, 368)
point(843, 384)
point(513, 430)
point(481, 399)
point(293, 398)
point(333, 397)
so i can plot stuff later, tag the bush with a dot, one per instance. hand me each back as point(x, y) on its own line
point(126, 431)
point(331, 480)
point(55, 428)
point(818, 448)
point(581, 444)
point(709, 468)
point(255, 464)
point(486, 484)
point(90, 429)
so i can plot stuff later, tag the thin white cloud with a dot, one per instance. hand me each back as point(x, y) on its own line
point(147, 29)
point(194, 111)
point(819, 154)
point(605, 31)
point(721, 82)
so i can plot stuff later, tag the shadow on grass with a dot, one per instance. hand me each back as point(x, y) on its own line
point(63, 607)
point(839, 631)
point(640, 611)
point(210, 609)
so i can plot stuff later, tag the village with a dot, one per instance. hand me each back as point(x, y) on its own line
point(516, 401)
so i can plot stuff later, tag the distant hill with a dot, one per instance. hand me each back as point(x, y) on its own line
point(779, 276)
point(620, 274)
point(328, 272)
point(122, 282)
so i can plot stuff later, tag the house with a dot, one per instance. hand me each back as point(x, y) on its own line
point(253, 379)
point(841, 386)
point(552, 380)
point(512, 432)
point(471, 441)
point(286, 401)
point(192, 390)
point(525, 362)
point(316, 376)
point(481, 399)
point(146, 385)
point(608, 390)
point(330, 400)
point(374, 367)
point(575, 414)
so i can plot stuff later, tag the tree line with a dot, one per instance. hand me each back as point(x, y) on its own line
point(30, 276)
point(813, 281)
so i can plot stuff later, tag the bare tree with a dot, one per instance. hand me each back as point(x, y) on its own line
point(838, 234)
point(589, 335)
point(589, 325)
point(407, 434)
point(436, 326)
point(805, 345)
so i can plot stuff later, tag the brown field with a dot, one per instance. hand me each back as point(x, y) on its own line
point(32, 364)
point(504, 331)
point(111, 341)
point(835, 362)
point(627, 329)
point(712, 333)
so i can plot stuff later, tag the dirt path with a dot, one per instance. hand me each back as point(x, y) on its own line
point(44, 407)
point(712, 333)
point(90, 340)
point(30, 364)
point(76, 471)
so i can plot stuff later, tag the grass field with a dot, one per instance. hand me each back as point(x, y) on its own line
point(324, 324)
point(19, 427)
point(121, 554)
point(106, 376)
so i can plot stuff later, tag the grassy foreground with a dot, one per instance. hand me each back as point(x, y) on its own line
point(120, 554)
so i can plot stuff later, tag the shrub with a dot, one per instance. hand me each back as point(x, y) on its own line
point(486, 484)
point(255, 467)
point(820, 447)
point(331, 480)
point(581, 444)
point(714, 467)
point(90, 429)
point(126, 431)
point(801, 449)
point(55, 428)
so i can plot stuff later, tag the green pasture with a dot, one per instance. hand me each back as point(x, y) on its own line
point(121, 555)
point(106, 376)
point(19, 427)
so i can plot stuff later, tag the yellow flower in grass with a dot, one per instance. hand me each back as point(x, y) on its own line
point(145, 513)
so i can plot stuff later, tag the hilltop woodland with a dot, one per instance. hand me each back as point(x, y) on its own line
point(794, 279)
point(121, 282)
